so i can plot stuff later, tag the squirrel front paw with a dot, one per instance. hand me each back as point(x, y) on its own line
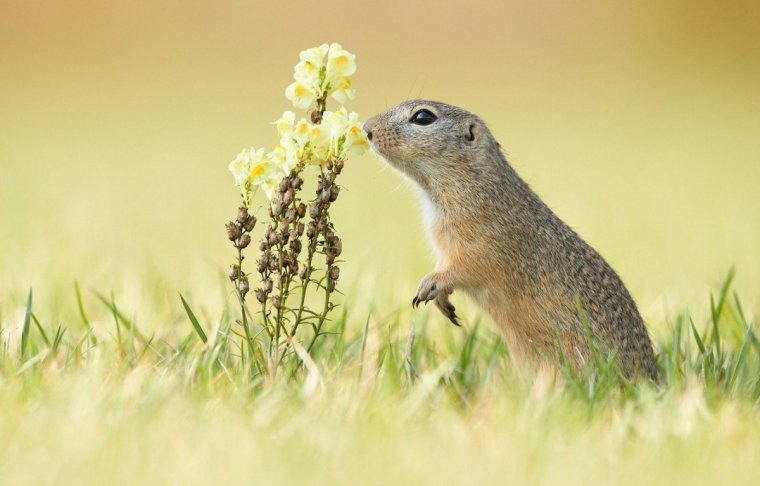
point(431, 288)
point(428, 289)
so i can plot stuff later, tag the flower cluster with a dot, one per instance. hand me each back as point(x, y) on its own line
point(328, 135)
point(322, 71)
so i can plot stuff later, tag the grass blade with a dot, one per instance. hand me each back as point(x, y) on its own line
point(194, 320)
point(27, 322)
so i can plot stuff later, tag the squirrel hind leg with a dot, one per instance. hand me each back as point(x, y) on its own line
point(447, 308)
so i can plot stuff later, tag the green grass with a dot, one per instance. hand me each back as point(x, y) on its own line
point(385, 400)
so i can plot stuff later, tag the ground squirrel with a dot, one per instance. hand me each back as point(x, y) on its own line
point(496, 240)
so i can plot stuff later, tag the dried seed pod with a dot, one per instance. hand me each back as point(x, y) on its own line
point(284, 184)
point(243, 286)
point(316, 117)
point(262, 264)
point(288, 196)
point(242, 215)
point(260, 295)
point(324, 196)
point(234, 272)
point(303, 272)
point(338, 166)
point(329, 164)
point(301, 210)
point(314, 209)
point(276, 301)
point(334, 191)
point(311, 230)
point(268, 285)
point(245, 240)
point(233, 231)
point(295, 245)
point(299, 229)
point(296, 182)
point(276, 209)
point(263, 245)
point(330, 257)
point(274, 238)
point(250, 222)
point(334, 273)
point(337, 246)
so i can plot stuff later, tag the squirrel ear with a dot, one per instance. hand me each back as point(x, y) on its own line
point(471, 132)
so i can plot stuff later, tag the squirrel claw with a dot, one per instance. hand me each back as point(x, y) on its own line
point(427, 291)
point(447, 308)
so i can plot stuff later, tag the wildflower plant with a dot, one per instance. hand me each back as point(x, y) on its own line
point(299, 250)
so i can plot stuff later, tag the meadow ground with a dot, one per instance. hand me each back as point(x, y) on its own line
point(636, 123)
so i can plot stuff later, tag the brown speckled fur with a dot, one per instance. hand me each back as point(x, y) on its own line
point(496, 240)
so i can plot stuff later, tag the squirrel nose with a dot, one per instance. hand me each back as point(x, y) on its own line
point(369, 134)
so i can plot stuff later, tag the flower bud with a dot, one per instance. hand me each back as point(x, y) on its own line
point(234, 272)
point(245, 240)
point(338, 166)
point(233, 231)
point(329, 164)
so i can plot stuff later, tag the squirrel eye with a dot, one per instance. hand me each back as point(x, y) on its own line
point(423, 117)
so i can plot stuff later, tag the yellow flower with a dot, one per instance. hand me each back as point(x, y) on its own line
point(284, 158)
point(300, 94)
point(319, 142)
point(301, 133)
point(241, 167)
point(312, 61)
point(340, 63)
point(285, 124)
point(356, 138)
point(343, 91)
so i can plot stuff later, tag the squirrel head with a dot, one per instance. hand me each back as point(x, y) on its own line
point(437, 145)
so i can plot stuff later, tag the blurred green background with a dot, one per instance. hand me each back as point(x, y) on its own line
point(638, 122)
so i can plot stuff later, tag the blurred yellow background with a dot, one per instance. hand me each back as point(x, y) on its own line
point(638, 122)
